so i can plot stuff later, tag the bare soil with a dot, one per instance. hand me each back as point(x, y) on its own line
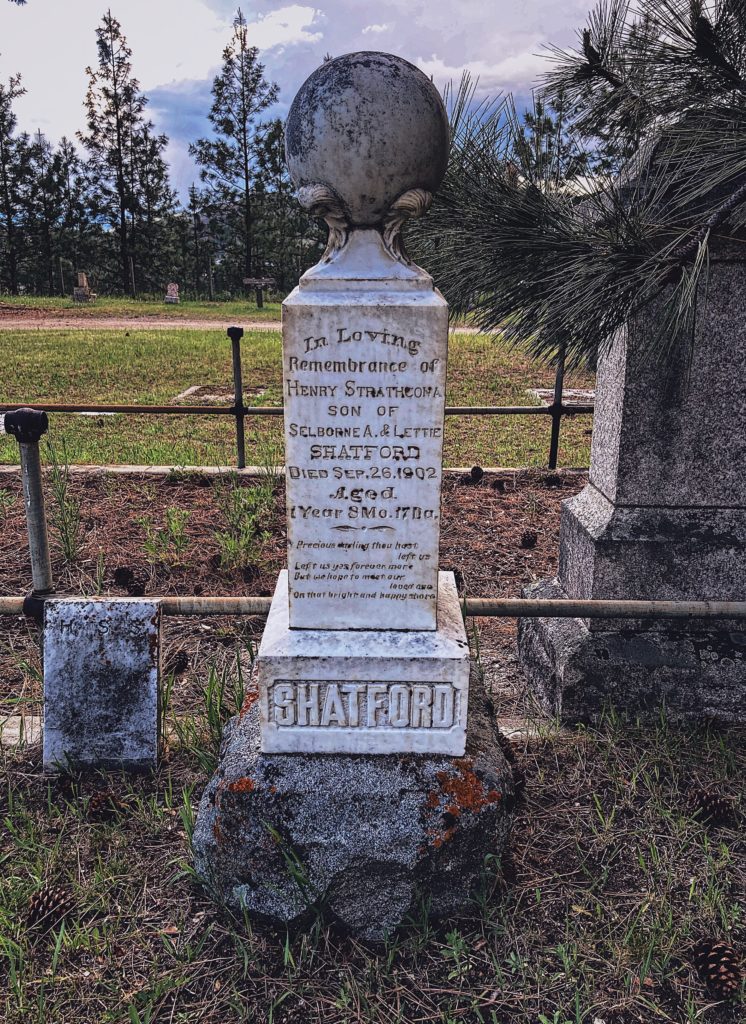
point(497, 536)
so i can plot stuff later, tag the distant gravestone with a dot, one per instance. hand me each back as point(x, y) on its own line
point(365, 651)
point(172, 294)
point(259, 284)
point(82, 291)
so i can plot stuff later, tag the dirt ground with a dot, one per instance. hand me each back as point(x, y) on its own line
point(15, 318)
point(496, 536)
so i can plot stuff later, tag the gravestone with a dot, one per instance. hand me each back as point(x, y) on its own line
point(172, 294)
point(82, 292)
point(351, 757)
point(259, 284)
point(663, 517)
point(101, 679)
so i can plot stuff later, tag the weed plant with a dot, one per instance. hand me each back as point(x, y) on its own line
point(65, 510)
point(246, 510)
point(166, 544)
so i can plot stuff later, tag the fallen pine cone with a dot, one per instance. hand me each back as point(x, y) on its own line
point(718, 966)
point(711, 807)
point(48, 906)
point(177, 664)
point(476, 473)
point(529, 538)
point(104, 805)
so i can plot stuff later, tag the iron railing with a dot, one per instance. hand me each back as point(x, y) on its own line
point(557, 410)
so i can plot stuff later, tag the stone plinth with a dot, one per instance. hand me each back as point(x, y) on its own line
point(366, 838)
point(663, 518)
point(364, 691)
point(101, 674)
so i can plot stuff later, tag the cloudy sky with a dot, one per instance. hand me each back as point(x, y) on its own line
point(177, 44)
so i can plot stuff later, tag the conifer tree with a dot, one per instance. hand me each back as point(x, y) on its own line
point(655, 94)
point(15, 176)
point(129, 179)
point(240, 93)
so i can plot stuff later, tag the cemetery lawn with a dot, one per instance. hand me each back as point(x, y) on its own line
point(156, 366)
point(18, 306)
point(592, 915)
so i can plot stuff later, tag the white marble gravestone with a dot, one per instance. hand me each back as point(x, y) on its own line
point(365, 649)
point(354, 765)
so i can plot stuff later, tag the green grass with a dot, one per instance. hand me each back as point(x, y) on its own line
point(152, 367)
point(187, 309)
point(592, 916)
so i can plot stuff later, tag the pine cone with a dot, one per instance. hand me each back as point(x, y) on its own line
point(104, 805)
point(711, 807)
point(177, 664)
point(48, 906)
point(718, 966)
point(529, 538)
point(476, 473)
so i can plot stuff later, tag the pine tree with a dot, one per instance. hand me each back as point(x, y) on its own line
point(240, 93)
point(43, 211)
point(128, 174)
point(75, 232)
point(15, 177)
point(656, 95)
point(288, 239)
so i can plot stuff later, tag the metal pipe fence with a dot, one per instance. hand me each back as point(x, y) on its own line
point(498, 607)
point(557, 410)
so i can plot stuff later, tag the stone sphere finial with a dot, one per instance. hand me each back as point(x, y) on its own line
point(367, 145)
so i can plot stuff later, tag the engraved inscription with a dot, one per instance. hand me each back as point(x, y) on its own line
point(363, 705)
point(364, 407)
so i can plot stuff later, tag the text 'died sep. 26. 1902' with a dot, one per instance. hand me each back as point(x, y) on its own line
point(364, 406)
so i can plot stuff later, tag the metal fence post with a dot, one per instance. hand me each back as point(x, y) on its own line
point(235, 334)
point(27, 426)
point(556, 409)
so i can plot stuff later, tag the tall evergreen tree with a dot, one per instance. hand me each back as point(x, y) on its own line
point(128, 173)
point(240, 93)
point(288, 239)
point(75, 230)
point(43, 211)
point(15, 175)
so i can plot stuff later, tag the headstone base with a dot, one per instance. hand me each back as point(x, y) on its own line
point(577, 672)
point(365, 838)
point(370, 691)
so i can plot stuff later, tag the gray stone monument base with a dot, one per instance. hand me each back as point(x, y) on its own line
point(363, 837)
point(576, 672)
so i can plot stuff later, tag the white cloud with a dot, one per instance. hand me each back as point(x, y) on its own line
point(516, 71)
point(284, 27)
point(375, 28)
point(51, 43)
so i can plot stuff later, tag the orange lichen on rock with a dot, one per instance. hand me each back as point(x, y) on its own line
point(245, 785)
point(465, 790)
point(252, 696)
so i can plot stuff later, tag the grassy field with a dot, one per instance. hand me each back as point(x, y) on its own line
point(107, 307)
point(592, 917)
point(129, 367)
